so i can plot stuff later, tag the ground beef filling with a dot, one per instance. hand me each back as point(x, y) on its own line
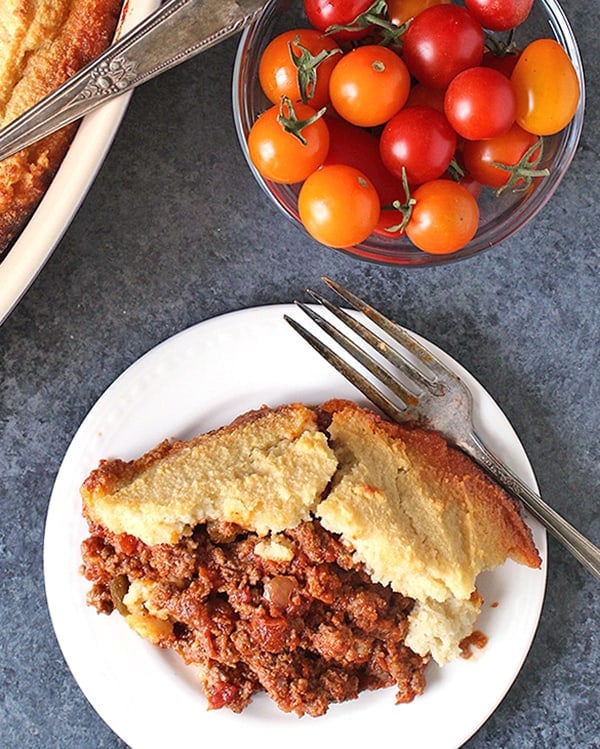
point(309, 630)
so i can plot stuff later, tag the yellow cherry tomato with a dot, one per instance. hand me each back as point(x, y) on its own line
point(444, 218)
point(546, 86)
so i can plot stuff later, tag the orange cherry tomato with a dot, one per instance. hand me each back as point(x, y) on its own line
point(400, 11)
point(298, 64)
point(279, 154)
point(369, 85)
point(338, 206)
point(546, 86)
point(444, 218)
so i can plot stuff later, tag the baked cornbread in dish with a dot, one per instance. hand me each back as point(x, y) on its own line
point(42, 44)
point(308, 553)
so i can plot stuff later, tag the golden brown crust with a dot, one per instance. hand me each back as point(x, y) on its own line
point(111, 474)
point(44, 44)
point(440, 464)
point(483, 498)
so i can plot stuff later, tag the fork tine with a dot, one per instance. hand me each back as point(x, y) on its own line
point(394, 357)
point(409, 398)
point(372, 393)
point(435, 366)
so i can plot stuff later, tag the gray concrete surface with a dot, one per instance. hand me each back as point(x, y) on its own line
point(175, 231)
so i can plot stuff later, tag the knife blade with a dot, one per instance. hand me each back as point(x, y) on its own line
point(175, 32)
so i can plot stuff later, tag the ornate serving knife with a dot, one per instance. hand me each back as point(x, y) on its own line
point(176, 31)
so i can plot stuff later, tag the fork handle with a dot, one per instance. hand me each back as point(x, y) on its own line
point(580, 547)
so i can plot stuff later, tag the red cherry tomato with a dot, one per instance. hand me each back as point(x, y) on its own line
point(444, 219)
point(471, 184)
point(338, 206)
point(440, 43)
point(369, 85)
point(546, 87)
point(481, 157)
point(457, 172)
point(420, 141)
point(499, 15)
point(323, 14)
point(353, 146)
point(480, 103)
point(503, 62)
point(424, 96)
point(359, 148)
point(289, 66)
point(280, 155)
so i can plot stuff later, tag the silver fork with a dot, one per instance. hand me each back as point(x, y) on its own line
point(429, 392)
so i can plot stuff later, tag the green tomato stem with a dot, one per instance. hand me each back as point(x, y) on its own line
point(306, 64)
point(289, 121)
point(405, 209)
point(375, 15)
point(525, 170)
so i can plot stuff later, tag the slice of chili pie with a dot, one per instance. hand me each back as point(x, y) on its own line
point(311, 553)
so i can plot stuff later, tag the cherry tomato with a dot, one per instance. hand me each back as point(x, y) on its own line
point(440, 43)
point(424, 96)
point(338, 206)
point(420, 141)
point(298, 64)
point(280, 154)
point(503, 62)
point(470, 183)
point(546, 87)
point(400, 11)
point(499, 15)
point(390, 223)
point(323, 14)
point(444, 218)
point(480, 103)
point(369, 85)
point(457, 172)
point(481, 156)
point(359, 148)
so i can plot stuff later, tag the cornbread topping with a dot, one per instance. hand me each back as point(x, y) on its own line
point(265, 472)
point(310, 553)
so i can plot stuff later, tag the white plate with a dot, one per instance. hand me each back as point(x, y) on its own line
point(36, 243)
point(198, 380)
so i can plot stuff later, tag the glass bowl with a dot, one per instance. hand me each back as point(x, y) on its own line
point(500, 217)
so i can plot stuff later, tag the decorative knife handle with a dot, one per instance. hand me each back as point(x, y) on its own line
point(176, 31)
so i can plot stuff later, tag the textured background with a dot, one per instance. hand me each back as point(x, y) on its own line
point(175, 231)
